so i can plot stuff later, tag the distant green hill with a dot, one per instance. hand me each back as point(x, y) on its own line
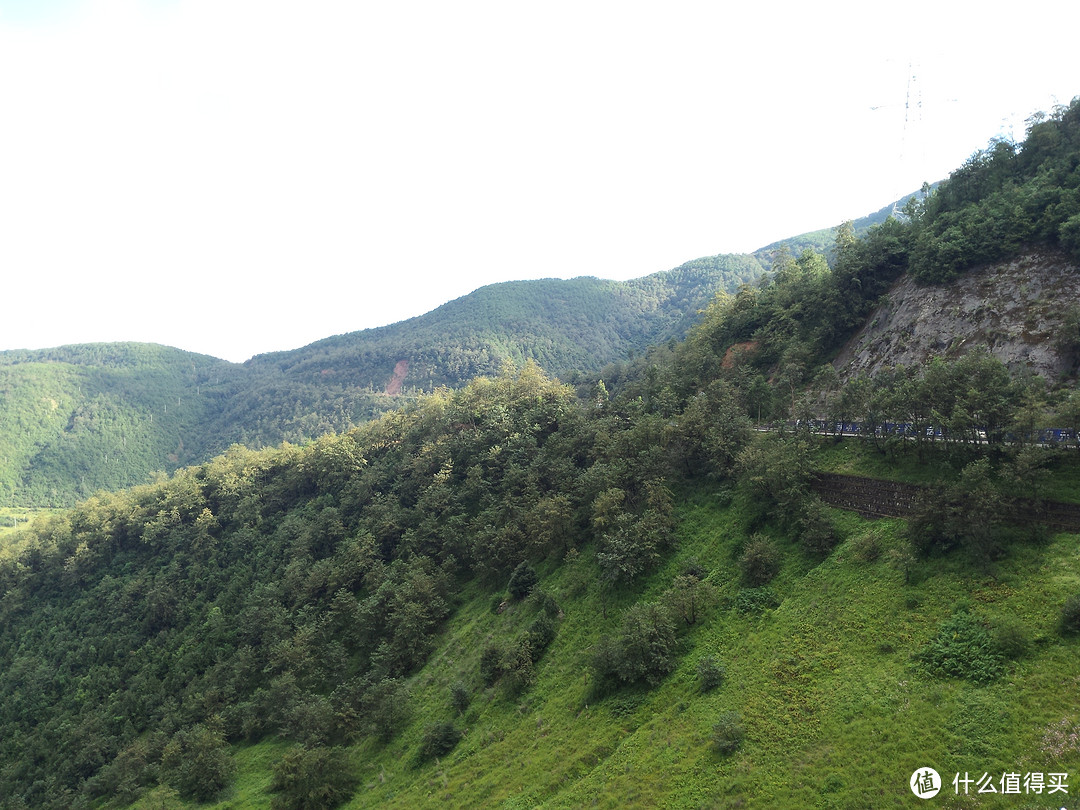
point(567, 327)
point(823, 240)
point(78, 419)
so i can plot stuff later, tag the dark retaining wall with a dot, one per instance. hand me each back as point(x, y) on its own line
point(875, 498)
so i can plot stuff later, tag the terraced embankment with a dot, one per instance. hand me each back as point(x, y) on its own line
point(878, 498)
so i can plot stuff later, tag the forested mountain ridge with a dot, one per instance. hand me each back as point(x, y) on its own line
point(824, 240)
point(567, 327)
point(78, 419)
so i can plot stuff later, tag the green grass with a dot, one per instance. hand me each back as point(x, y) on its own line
point(1063, 484)
point(859, 457)
point(250, 790)
point(835, 713)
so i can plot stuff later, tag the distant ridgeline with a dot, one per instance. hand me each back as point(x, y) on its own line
point(1005, 203)
point(567, 326)
point(511, 593)
point(78, 419)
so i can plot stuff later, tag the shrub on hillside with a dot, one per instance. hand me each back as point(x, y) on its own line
point(965, 514)
point(816, 532)
point(439, 740)
point(688, 598)
point(710, 673)
point(312, 779)
point(1070, 616)
point(459, 696)
point(544, 602)
point(866, 547)
point(755, 600)
point(131, 771)
point(760, 561)
point(516, 666)
point(1069, 235)
point(490, 664)
point(646, 644)
point(962, 648)
point(727, 733)
point(540, 634)
point(386, 707)
point(522, 580)
point(692, 568)
point(1011, 638)
point(642, 652)
point(197, 762)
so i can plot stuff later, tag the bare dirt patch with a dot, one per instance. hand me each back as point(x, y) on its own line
point(401, 370)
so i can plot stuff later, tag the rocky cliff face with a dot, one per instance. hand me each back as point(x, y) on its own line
point(1014, 310)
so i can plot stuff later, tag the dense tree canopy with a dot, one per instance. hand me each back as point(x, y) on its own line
point(78, 419)
point(289, 591)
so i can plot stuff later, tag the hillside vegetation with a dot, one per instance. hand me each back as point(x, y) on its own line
point(567, 327)
point(520, 593)
point(507, 563)
point(78, 419)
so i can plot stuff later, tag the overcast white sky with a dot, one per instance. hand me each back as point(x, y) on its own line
point(240, 176)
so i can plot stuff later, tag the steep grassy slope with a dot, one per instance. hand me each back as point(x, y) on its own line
point(834, 714)
point(835, 711)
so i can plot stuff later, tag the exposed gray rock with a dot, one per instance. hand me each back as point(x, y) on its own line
point(1013, 309)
